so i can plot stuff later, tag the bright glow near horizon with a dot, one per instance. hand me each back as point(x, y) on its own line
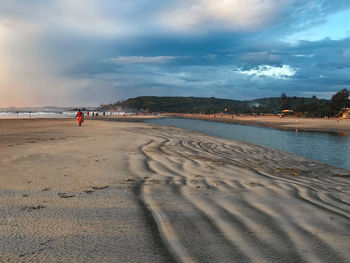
point(70, 53)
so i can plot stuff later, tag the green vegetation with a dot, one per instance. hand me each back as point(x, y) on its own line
point(340, 100)
point(312, 107)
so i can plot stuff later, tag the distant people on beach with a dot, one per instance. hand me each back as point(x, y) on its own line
point(94, 114)
point(80, 117)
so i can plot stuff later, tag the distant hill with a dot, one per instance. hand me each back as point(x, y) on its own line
point(215, 105)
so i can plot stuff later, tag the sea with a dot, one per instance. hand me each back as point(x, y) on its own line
point(45, 112)
point(329, 148)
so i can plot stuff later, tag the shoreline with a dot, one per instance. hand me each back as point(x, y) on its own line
point(341, 127)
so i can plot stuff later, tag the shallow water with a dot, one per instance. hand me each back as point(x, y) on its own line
point(328, 148)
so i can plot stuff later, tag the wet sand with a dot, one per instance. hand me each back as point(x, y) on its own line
point(135, 192)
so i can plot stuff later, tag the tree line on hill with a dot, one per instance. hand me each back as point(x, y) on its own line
point(312, 107)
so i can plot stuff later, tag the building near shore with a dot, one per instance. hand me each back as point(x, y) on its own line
point(286, 113)
point(345, 113)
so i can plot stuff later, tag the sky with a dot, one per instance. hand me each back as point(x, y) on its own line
point(89, 52)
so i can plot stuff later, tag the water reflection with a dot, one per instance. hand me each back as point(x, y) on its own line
point(343, 133)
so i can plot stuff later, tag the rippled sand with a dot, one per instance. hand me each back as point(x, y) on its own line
point(134, 192)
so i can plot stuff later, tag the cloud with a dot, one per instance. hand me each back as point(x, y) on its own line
point(306, 56)
point(261, 57)
point(66, 51)
point(141, 60)
point(234, 15)
point(270, 71)
point(283, 17)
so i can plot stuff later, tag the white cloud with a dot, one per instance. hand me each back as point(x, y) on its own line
point(305, 56)
point(141, 60)
point(228, 14)
point(88, 17)
point(270, 71)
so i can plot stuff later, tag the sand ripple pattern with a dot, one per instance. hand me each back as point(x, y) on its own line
point(215, 200)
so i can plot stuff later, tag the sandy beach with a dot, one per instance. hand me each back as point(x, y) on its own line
point(287, 123)
point(136, 192)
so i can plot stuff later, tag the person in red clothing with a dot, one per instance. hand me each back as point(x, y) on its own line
point(80, 117)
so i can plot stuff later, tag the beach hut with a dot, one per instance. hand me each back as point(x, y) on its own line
point(285, 113)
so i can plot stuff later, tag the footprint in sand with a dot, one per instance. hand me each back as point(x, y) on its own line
point(31, 208)
point(88, 191)
point(94, 188)
point(100, 187)
point(64, 195)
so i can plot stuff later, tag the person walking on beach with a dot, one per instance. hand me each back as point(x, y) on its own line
point(80, 117)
